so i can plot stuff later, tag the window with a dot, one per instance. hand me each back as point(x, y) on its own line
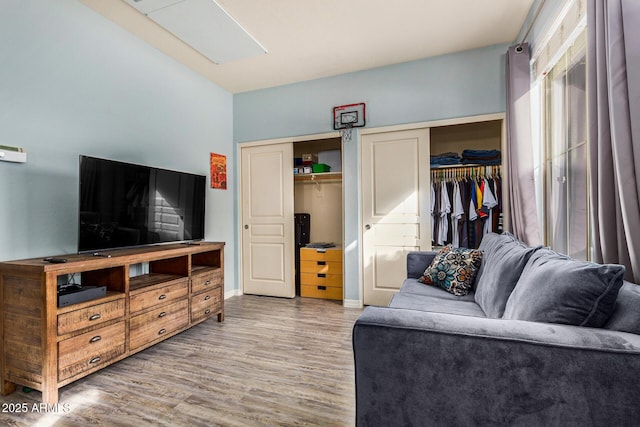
point(565, 202)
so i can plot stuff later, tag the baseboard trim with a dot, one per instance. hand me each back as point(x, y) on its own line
point(352, 303)
point(232, 293)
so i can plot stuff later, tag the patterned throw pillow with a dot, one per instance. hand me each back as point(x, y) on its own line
point(453, 269)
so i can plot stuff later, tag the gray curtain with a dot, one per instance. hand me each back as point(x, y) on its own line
point(613, 87)
point(522, 210)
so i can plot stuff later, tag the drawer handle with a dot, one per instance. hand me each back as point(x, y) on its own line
point(208, 297)
point(207, 311)
point(162, 331)
point(322, 275)
point(322, 262)
point(95, 317)
point(164, 313)
point(94, 360)
point(322, 288)
point(163, 296)
point(208, 282)
point(95, 339)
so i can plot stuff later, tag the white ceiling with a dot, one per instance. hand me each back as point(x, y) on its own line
point(310, 39)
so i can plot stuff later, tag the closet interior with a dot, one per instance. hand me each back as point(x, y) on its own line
point(318, 200)
point(466, 183)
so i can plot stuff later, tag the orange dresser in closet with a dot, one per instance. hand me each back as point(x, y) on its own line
point(321, 273)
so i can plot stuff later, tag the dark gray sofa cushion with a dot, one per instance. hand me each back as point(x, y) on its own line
point(503, 260)
point(413, 286)
point(418, 261)
point(626, 315)
point(415, 368)
point(435, 305)
point(554, 288)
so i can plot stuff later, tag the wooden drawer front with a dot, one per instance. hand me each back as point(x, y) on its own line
point(318, 291)
point(205, 304)
point(332, 280)
point(154, 324)
point(312, 254)
point(321, 267)
point(91, 316)
point(159, 295)
point(206, 281)
point(89, 350)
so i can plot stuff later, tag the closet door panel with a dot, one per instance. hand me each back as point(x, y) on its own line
point(395, 208)
point(267, 215)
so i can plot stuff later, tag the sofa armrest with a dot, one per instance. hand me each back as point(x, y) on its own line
point(423, 368)
point(417, 262)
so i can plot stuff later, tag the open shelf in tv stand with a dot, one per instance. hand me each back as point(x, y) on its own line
point(46, 347)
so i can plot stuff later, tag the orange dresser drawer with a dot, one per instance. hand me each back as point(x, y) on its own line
point(332, 280)
point(313, 254)
point(90, 316)
point(321, 267)
point(148, 298)
point(90, 350)
point(319, 291)
point(210, 280)
point(206, 304)
point(153, 325)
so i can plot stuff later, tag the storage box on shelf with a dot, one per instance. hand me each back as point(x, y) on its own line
point(46, 347)
point(321, 273)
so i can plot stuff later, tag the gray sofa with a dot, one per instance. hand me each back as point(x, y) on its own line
point(541, 340)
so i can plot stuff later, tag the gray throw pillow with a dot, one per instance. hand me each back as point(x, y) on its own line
point(626, 315)
point(554, 288)
point(503, 259)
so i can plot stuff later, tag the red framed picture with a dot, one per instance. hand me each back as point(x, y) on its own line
point(218, 165)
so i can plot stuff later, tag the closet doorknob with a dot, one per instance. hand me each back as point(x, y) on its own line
point(246, 226)
point(367, 227)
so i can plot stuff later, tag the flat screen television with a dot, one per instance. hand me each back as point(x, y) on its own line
point(124, 205)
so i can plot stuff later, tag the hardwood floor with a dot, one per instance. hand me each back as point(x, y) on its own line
point(272, 362)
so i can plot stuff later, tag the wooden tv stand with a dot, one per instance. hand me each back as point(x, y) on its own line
point(46, 347)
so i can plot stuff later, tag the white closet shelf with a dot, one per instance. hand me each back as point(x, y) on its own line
point(323, 176)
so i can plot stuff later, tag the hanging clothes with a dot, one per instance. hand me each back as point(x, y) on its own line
point(466, 204)
point(497, 210)
point(456, 215)
point(433, 206)
point(462, 223)
point(436, 213)
point(445, 210)
point(489, 202)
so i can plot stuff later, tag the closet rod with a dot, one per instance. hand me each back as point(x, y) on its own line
point(468, 171)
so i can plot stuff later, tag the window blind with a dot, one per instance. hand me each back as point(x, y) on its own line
point(570, 22)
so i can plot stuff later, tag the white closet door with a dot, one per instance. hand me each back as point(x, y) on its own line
point(395, 208)
point(268, 220)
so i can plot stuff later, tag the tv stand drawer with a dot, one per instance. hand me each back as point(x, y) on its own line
point(159, 295)
point(206, 304)
point(90, 316)
point(205, 281)
point(90, 350)
point(156, 324)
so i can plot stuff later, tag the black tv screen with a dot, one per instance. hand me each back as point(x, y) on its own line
point(125, 205)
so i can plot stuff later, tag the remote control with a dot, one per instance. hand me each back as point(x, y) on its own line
point(55, 260)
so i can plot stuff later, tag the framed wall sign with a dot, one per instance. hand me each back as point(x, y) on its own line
point(218, 165)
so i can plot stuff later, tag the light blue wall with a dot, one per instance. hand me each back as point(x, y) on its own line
point(72, 82)
point(456, 85)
